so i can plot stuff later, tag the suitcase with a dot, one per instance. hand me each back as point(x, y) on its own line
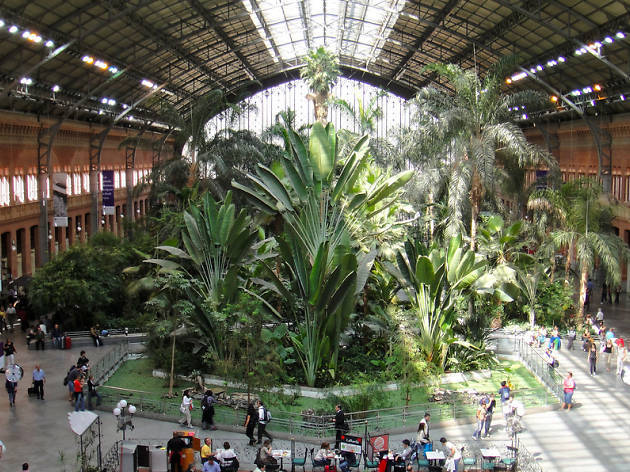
point(67, 342)
point(32, 392)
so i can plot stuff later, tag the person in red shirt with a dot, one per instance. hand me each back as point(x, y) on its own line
point(569, 387)
point(79, 399)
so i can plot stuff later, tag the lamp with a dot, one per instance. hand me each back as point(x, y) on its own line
point(13, 246)
point(49, 235)
point(124, 416)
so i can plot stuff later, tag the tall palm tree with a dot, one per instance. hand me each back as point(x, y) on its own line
point(363, 116)
point(585, 232)
point(472, 128)
point(320, 72)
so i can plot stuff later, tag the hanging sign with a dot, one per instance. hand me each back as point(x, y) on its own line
point(60, 199)
point(108, 192)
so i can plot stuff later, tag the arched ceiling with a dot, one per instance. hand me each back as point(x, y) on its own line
point(131, 52)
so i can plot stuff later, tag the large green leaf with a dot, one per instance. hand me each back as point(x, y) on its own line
point(424, 271)
point(390, 186)
point(321, 152)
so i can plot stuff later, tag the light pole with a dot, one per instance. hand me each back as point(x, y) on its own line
point(124, 415)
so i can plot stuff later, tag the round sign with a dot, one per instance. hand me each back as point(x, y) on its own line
point(14, 373)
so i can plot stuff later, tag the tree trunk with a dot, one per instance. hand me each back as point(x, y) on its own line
point(321, 108)
point(170, 383)
point(431, 220)
point(476, 191)
point(553, 267)
point(583, 281)
point(567, 267)
point(532, 318)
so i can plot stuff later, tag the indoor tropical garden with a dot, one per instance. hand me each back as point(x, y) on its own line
point(353, 251)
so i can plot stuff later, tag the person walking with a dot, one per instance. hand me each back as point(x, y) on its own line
point(571, 335)
point(592, 359)
point(481, 420)
point(39, 379)
point(622, 353)
point(207, 415)
point(340, 424)
point(264, 417)
point(569, 387)
point(250, 423)
point(185, 408)
point(608, 353)
point(11, 390)
point(599, 317)
point(57, 336)
point(9, 353)
point(489, 411)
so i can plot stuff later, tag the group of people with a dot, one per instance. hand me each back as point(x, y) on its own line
point(80, 381)
point(600, 342)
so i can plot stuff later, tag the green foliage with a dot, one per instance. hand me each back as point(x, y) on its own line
point(369, 396)
point(321, 70)
point(555, 304)
point(85, 284)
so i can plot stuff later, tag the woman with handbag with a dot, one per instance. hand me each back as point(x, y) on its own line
point(185, 408)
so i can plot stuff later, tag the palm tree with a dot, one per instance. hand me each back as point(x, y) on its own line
point(320, 72)
point(364, 117)
point(472, 128)
point(588, 233)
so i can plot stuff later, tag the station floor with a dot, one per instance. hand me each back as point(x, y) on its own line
point(594, 436)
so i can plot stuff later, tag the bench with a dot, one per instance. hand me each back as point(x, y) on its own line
point(83, 338)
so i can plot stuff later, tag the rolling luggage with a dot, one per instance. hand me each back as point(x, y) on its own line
point(67, 342)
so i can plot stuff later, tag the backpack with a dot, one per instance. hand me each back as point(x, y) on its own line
point(266, 415)
point(505, 393)
point(555, 363)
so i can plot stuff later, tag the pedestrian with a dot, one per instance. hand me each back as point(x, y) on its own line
point(608, 350)
point(340, 424)
point(604, 292)
point(72, 374)
point(83, 360)
point(592, 359)
point(2, 449)
point(9, 353)
point(40, 339)
point(481, 421)
point(39, 379)
point(599, 317)
point(504, 395)
point(569, 387)
point(206, 450)
point(185, 408)
point(250, 423)
point(11, 390)
point(93, 392)
point(174, 448)
point(489, 412)
point(25, 467)
point(207, 407)
point(617, 293)
point(264, 417)
point(3, 319)
point(96, 337)
point(79, 398)
point(622, 353)
point(11, 314)
point(453, 455)
point(422, 437)
point(571, 335)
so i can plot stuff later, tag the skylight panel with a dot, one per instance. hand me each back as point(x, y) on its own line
point(353, 28)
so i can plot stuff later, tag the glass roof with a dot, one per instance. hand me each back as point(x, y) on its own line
point(290, 28)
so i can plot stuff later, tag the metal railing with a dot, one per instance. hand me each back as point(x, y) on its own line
point(109, 363)
point(321, 426)
point(533, 359)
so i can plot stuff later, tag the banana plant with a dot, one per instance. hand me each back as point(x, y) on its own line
point(217, 243)
point(435, 280)
point(315, 194)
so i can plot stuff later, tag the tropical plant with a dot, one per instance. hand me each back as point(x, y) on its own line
point(364, 117)
point(319, 203)
point(435, 281)
point(473, 128)
point(320, 71)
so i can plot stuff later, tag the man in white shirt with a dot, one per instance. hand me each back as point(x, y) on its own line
point(600, 317)
point(263, 418)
